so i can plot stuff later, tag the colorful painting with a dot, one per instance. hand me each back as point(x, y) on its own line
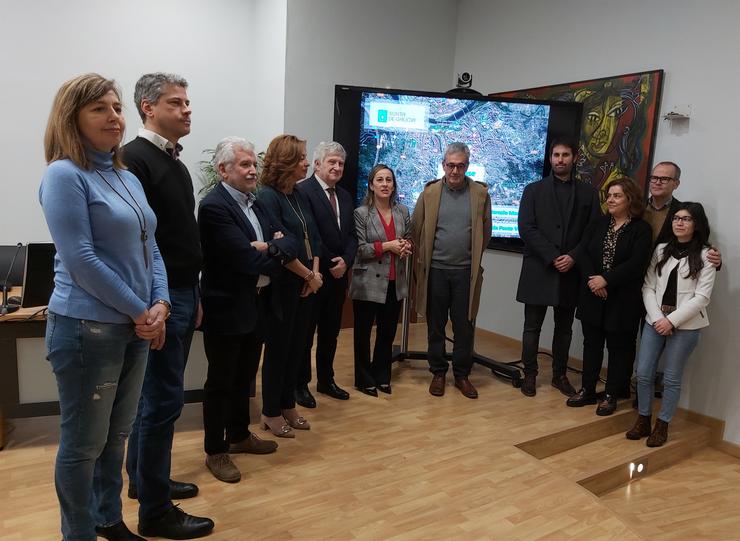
point(620, 115)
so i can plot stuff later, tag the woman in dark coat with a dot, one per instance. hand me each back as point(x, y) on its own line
point(612, 268)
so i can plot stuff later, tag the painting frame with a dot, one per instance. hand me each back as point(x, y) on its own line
point(619, 124)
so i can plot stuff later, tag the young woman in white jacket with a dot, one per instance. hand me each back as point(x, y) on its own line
point(676, 292)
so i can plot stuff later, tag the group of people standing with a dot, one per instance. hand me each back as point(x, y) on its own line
point(136, 273)
point(598, 268)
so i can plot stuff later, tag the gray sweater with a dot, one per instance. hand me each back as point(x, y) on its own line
point(452, 236)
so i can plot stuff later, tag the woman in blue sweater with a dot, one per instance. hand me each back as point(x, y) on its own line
point(109, 302)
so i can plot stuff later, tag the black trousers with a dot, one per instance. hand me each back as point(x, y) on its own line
point(448, 293)
point(621, 347)
point(534, 315)
point(326, 321)
point(284, 344)
point(233, 361)
point(377, 372)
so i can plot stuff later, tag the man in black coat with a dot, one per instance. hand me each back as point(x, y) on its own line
point(554, 213)
point(243, 247)
point(333, 209)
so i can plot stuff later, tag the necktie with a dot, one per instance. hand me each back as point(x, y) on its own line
point(332, 200)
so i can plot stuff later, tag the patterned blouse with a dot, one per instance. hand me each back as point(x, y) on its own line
point(610, 243)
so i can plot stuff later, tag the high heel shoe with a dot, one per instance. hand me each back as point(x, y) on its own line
point(277, 425)
point(296, 421)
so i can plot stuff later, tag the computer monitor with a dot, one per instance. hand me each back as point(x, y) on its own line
point(38, 274)
point(15, 277)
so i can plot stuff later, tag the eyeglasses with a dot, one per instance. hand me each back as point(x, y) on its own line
point(453, 166)
point(684, 219)
point(660, 180)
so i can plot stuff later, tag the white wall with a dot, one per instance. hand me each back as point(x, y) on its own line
point(232, 52)
point(383, 43)
point(509, 44)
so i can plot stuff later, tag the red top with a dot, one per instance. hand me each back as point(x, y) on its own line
point(390, 234)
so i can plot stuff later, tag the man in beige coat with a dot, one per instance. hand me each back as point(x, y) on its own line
point(451, 227)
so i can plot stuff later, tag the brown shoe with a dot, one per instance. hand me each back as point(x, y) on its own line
point(437, 386)
point(223, 468)
point(641, 428)
point(562, 384)
point(253, 445)
point(659, 434)
point(529, 386)
point(466, 388)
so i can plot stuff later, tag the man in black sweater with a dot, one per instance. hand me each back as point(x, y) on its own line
point(153, 157)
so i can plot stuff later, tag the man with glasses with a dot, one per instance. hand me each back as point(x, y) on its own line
point(554, 214)
point(451, 228)
point(664, 180)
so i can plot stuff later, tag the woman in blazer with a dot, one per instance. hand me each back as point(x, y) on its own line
point(677, 289)
point(379, 278)
point(612, 267)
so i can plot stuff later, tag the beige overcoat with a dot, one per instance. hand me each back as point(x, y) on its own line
point(424, 225)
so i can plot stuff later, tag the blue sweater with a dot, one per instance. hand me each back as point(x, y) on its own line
point(99, 270)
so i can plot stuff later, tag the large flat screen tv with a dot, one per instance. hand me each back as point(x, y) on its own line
point(409, 130)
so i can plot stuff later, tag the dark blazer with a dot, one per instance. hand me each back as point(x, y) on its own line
point(666, 232)
point(547, 235)
point(231, 266)
point(622, 309)
point(334, 241)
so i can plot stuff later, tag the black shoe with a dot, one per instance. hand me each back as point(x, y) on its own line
point(581, 398)
point(178, 491)
point(385, 388)
point(529, 385)
point(303, 397)
point(333, 390)
point(607, 406)
point(176, 524)
point(370, 391)
point(117, 532)
point(562, 384)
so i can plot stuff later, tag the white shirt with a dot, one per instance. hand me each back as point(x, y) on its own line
point(245, 202)
point(325, 187)
point(157, 140)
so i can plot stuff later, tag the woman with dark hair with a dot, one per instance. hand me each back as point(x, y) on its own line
point(109, 303)
point(612, 267)
point(379, 278)
point(677, 289)
point(284, 165)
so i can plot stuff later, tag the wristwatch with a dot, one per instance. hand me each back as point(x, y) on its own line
point(166, 305)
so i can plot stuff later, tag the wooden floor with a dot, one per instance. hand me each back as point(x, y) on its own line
point(406, 466)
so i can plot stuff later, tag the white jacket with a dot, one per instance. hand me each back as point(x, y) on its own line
point(692, 295)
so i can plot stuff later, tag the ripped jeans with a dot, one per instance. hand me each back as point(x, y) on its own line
point(99, 368)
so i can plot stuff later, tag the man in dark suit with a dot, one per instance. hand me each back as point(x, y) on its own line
point(333, 208)
point(243, 247)
point(554, 213)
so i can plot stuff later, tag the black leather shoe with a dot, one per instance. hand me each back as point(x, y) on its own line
point(370, 391)
point(333, 390)
point(303, 397)
point(581, 398)
point(529, 385)
point(176, 524)
point(607, 406)
point(562, 384)
point(385, 388)
point(178, 491)
point(117, 532)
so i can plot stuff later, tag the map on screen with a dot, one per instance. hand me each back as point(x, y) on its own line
point(409, 133)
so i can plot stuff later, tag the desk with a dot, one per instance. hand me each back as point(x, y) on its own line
point(24, 323)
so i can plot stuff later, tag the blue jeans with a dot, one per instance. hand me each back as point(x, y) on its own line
point(149, 449)
point(99, 368)
point(676, 349)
